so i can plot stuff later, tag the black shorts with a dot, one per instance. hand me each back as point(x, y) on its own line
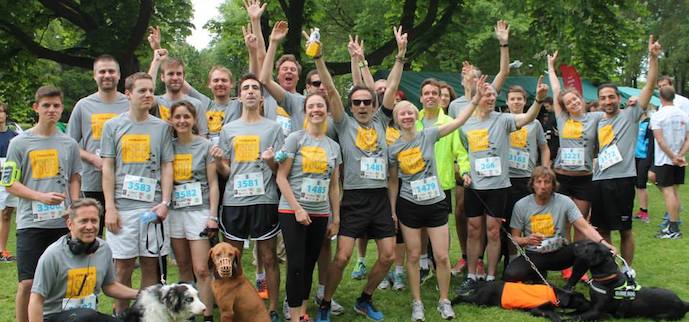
point(31, 243)
point(476, 201)
point(668, 175)
point(613, 203)
point(642, 167)
point(366, 213)
point(98, 195)
point(418, 216)
point(578, 187)
point(257, 222)
point(518, 190)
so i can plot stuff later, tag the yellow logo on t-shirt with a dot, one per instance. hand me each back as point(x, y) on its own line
point(478, 140)
point(411, 160)
point(518, 138)
point(314, 159)
point(543, 224)
point(78, 276)
point(44, 163)
point(182, 166)
point(136, 148)
point(391, 135)
point(366, 139)
point(97, 121)
point(573, 129)
point(246, 148)
point(605, 135)
point(215, 120)
point(164, 112)
point(281, 111)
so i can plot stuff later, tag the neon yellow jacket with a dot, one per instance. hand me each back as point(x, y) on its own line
point(447, 150)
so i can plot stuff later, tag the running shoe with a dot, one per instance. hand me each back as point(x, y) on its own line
point(367, 309)
point(323, 314)
point(335, 308)
point(359, 271)
point(467, 287)
point(667, 234)
point(262, 288)
point(386, 282)
point(6, 257)
point(445, 309)
point(459, 267)
point(398, 282)
point(417, 313)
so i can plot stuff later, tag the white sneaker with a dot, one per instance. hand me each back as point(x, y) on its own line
point(285, 310)
point(445, 309)
point(335, 308)
point(417, 311)
point(385, 283)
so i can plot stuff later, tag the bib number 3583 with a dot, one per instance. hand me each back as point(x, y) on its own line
point(315, 190)
point(139, 188)
point(42, 212)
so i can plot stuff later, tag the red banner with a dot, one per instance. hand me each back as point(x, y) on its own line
point(570, 78)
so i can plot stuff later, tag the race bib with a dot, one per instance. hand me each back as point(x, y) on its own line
point(314, 159)
point(609, 157)
point(246, 148)
point(315, 190)
point(97, 121)
point(42, 212)
point(488, 167)
point(215, 120)
point(411, 160)
point(478, 140)
point(572, 156)
point(182, 166)
point(136, 148)
point(550, 245)
point(44, 163)
point(518, 138)
point(188, 194)
point(519, 159)
point(248, 184)
point(425, 189)
point(373, 168)
point(605, 135)
point(88, 302)
point(572, 130)
point(81, 283)
point(542, 224)
point(139, 188)
point(366, 139)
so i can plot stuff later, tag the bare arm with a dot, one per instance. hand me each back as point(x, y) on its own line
point(214, 192)
point(222, 165)
point(532, 113)
point(448, 127)
point(334, 197)
point(159, 55)
point(334, 99)
point(591, 233)
point(654, 50)
point(166, 181)
point(251, 44)
point(545, 155)
point(74, 187)
point(112, 217)
point(119, 291)
point(36, 307)
point(393, 188)
point(395, 75)
point(554, 83)
point(279, 32)
point(354, 59)
point(255, 10)
point(50, 198)
point(502, 32)
point(91, 158)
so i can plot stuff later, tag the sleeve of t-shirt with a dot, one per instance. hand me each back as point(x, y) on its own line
point(433, 133)
point(634, 113)
point(338, 152)
point(509, 121)
point(518, 215)
point(573, 213)
point(168, 150)
point(75, 158)
point(291, 144)
point(540, 134)
point(74, 123)
point(107, 140)
point(290, 101)
point(14, 153)
point(205, 101)
point(655, 121)
point(279, 138)
point(202, 119)
point(224, 143)
point(46, 275)
point(207, 149)
point(452, 109)
point(109, 277)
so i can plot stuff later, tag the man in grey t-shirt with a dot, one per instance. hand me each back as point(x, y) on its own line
point(86, 124)
point(73, 271)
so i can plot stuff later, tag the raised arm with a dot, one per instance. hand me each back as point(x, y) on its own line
point(255, 10)
point(532, 113)
point(355, 60)
point(334, 99)
point(502, 32)
point(251, 43)
point(448, 127)
point(654, 50)
point(395, 75)
point(554, 83)
point(363, 66)
point(159, 56)
point(266, 76)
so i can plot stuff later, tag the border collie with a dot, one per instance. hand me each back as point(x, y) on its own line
point(166, 303)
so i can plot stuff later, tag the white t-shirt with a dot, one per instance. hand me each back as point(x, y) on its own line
point(681, 102)
point(674, 124)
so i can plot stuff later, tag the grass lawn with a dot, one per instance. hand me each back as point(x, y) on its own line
point(662, 263)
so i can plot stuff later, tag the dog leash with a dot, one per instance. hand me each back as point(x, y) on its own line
point(159, 246)
point(520, 250)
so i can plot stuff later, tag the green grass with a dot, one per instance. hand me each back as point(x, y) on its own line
point(662, 263)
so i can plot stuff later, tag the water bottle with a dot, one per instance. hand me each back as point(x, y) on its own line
point(148, 217)
point(313, 47)
point(280, 156)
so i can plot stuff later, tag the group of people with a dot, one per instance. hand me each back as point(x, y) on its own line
point(279, 167)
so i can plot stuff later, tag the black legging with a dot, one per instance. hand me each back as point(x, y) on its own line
point(79, 315)
point(303, 246)
point(519, 269)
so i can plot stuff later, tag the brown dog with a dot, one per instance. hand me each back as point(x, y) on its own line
point(236, 298)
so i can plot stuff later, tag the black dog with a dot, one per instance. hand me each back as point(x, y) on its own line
point(531, 298)
point(613, 293)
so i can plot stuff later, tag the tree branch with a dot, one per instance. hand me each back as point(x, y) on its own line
point(139, 29)
point(70, 11)
point(284, 6)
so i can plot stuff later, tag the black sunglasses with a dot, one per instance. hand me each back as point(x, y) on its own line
point(361, 102)
point(316, 83)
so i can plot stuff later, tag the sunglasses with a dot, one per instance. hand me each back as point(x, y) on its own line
point(361, 102)
point(316, 83)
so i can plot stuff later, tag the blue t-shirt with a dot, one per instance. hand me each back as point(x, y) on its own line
point(642, 139)
point(5, 138)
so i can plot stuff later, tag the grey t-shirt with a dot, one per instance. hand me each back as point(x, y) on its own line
point(415, 161)
point(217, 115)
point(164, 105)
point(86, 126)
point(525, 141)
point(242, 143)
point(365, 152)
point(457, 106)
point(313, 163)
point(60, 275)
point(549, 220)
point(293, 105)
point(489, 149)
point(617, 139)
point(190, 166)
point(577, 140)
point(46, 165)
point(139, 149)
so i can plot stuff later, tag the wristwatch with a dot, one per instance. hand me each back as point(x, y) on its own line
point(166, 203)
